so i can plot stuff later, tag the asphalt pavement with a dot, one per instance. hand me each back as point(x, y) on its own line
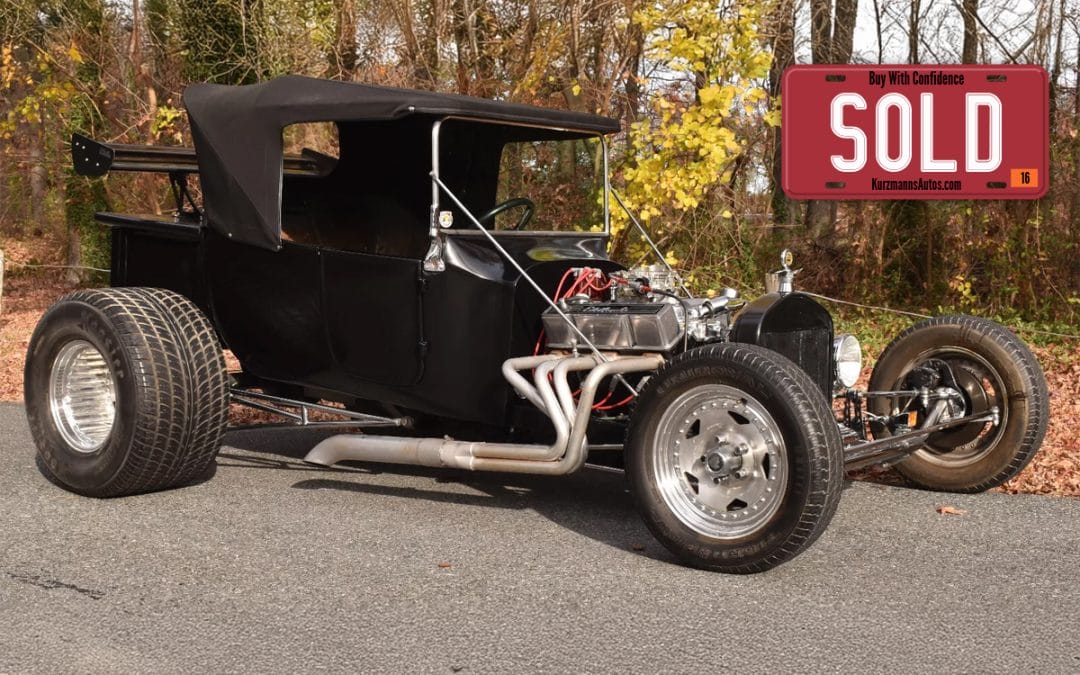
point(272, 566)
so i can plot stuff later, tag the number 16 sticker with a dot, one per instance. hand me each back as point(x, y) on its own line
point(1024, 178)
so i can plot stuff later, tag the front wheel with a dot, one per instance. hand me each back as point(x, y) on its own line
point(987, 367)
point(734, 458)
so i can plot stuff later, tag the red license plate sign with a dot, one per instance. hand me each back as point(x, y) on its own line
point(915, 132)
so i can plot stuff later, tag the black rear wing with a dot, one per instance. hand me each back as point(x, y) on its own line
point(93, 158)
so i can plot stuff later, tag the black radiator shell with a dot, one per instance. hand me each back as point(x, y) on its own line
point(793, 325)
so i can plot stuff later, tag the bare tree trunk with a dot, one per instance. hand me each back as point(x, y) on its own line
point(879, 32)
point(461, 43)
point(817, 220)
point(574, 28)
point(1071, 231)
point(913, 32)
point(843, 40)
point(473, 23)
point(430, 48)
point(72, 275)
point(143, 82)
point(406, 20)
point(783, 26)
point(343, 56)
point(971, 32)
point(915, 211)
point(843, 37)
point(820, 31)
point(880, 225)
point(633, 72)
point(5, 210)
point(527, 46)
point(38, 179)
point(1055, 67)
point(483, 29)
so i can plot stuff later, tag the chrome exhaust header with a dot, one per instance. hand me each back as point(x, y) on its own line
point(549, 392)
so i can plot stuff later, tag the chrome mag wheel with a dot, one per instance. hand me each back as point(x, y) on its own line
point(82, 396)
point(720, 462)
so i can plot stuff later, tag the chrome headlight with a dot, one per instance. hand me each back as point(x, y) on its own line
point(848, 356)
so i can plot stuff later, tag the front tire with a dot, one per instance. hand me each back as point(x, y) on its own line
point(125, 391)
point(992, 368)
point(734, 458)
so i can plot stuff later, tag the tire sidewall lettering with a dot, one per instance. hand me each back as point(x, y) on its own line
point(61, 325)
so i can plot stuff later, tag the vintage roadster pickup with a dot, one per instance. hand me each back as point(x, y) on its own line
point(379, 284)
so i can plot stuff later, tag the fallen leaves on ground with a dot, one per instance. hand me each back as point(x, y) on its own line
point(25, 299)
point(951, 511)
point(1055, 470)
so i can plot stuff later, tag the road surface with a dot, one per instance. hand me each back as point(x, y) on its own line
point(274, 566)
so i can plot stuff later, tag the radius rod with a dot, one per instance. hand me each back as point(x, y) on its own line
point(893, 448)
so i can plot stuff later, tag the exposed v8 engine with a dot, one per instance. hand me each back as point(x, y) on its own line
point(639, 310)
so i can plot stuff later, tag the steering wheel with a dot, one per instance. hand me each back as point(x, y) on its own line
point(530, 207)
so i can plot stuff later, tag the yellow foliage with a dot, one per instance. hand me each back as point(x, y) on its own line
point(8, 69)
point(164, 123)
point(718, 54)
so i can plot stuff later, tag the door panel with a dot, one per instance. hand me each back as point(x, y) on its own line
point(373, 316)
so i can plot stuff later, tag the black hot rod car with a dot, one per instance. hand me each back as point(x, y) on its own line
point(377, 276)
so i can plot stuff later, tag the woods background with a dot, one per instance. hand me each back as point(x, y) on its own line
point(695, 83)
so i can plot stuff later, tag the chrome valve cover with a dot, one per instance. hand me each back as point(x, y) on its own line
point(617, 326)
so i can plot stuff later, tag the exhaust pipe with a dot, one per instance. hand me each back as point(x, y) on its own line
point(566, 455)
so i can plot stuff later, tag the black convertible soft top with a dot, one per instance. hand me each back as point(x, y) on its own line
point(238, 143)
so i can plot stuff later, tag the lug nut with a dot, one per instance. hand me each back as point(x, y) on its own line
point(742, 473)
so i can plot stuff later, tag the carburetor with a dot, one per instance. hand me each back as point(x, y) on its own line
point(633, 285)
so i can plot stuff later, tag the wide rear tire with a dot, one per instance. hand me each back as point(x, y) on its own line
point(125, 391)
point(734, 458)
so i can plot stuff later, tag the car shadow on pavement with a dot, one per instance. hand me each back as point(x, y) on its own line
point(289, 447)
point(593, 503)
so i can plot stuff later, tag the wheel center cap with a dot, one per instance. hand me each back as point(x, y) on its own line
point(724, 459)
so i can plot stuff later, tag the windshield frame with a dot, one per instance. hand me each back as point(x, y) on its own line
point(436, 130)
